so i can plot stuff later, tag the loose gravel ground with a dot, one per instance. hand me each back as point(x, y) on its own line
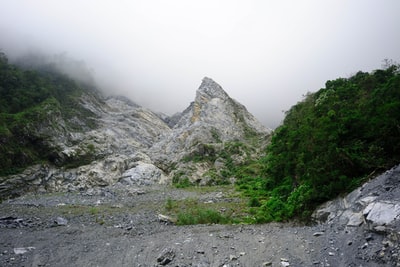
point(119, 226)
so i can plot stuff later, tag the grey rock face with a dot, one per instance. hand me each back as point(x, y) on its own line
point(14, 185)
point(202, 129)
point(92, 156)
point(135, 146)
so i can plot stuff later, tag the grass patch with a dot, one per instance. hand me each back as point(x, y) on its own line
point(220, 211)
point(202, 216)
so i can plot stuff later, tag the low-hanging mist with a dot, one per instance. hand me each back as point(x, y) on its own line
point(266, 55)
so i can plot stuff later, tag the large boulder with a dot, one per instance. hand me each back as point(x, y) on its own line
point(367, 221)
point(143, 174)
point(376, 203)
point(374, 207)
point(382, 213)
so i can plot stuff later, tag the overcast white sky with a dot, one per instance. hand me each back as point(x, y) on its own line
point(265, 54)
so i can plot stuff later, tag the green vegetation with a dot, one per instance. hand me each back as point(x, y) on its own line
point(202, 216)
point(223, 153)
point(327, 145)
point(34, 105)
point(193, 211)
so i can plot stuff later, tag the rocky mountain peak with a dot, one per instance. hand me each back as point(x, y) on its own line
point(210, 124)
point(129, 144)
point(209, 89)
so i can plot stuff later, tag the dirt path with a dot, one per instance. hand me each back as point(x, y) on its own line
point(120, 227)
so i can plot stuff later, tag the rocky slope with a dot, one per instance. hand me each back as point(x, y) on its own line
point(203, 130)
point(373, 212)
point(133, 145)
point(94, 157)
point(120, 226)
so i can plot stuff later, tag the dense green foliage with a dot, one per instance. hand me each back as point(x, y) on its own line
point(328, 143)
point(31, 103)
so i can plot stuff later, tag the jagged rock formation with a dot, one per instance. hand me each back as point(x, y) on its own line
point(130, 144)
point(202, 131)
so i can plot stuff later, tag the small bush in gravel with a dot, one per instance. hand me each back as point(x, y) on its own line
point(202, 216)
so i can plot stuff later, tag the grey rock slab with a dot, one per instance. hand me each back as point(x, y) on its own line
point(382, 212)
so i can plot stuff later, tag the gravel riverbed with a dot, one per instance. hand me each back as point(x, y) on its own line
point(120, 226)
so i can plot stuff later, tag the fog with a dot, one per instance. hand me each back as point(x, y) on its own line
point(265, 54)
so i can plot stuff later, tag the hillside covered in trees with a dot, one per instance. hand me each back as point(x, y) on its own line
point(329, 143)
point(33, 99)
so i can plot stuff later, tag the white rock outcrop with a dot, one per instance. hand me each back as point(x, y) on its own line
point(375, 205)
point(132, 145)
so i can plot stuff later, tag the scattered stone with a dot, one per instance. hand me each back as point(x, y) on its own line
point(166, 256)
point(331, 254)
point(318, 233)
point(219, 195)
point(355, 219)
point(267, 263)
point(233, 257)
point(23, 250)
point(11, 222)
point(387, 243)
point(134, 192)
point(380, 229)
point(60, 221)
point(369, 237)
point(165, 219)
point(226, 236)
